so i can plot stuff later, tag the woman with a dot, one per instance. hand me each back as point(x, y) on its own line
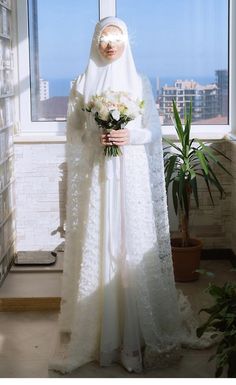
point(119, 302)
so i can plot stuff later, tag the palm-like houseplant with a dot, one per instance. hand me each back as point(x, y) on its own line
point(222, 322)
point(185, 162)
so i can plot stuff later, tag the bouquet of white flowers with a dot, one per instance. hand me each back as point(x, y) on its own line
point(112, 111)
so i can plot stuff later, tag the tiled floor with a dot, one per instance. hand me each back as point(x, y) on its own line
point(26, 340)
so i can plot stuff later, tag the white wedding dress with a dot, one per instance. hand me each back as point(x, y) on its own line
point(119, 301)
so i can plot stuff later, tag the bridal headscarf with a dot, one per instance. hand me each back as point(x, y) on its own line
point(102, 74)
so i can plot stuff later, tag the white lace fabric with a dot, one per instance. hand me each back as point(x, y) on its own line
point(119, 300)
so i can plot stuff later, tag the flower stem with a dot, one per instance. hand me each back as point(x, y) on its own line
point(113, 150)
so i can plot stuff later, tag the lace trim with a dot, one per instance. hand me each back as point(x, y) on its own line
point(162, 315)
point(131, 361)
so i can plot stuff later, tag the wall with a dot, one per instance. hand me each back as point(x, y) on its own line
point(40, 200)
point(233, 202)
point(213, 223)
point(40, 195)
point(7, 120)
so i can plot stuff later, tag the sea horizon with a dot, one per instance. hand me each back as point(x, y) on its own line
point(61, 87)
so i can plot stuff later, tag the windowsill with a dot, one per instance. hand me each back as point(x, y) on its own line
point(39, 138)
point(204, 133)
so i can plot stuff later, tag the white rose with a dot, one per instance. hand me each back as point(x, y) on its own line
point(98, 106)
point(104, 113)
point(115, 114)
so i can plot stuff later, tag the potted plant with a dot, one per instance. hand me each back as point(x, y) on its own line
point(222, 322)
point(184, 163)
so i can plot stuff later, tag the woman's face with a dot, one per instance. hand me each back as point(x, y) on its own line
point(111, 43)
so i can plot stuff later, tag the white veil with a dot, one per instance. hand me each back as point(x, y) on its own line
point(164, 314)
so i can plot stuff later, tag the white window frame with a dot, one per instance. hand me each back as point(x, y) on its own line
point(55, 131)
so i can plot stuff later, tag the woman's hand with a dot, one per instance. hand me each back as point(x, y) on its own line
point(104, 140)
point(119, 137)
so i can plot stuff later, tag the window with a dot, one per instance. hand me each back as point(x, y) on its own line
point(189, 42)
point(59, 39)
point(183, 45)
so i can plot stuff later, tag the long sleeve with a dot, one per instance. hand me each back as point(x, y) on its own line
point(151, 127)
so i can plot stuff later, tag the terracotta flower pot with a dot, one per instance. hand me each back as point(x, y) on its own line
point(186, 259)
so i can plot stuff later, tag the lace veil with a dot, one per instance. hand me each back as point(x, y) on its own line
point(164, 316)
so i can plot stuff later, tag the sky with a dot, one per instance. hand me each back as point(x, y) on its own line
point(169, 38)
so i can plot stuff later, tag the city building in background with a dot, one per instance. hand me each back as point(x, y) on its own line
point(209, 102)
point(208, 87)
point(43, 89)
point(222, 82)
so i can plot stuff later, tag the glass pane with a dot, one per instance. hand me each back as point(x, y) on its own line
point(60, 35)
point(182, 46)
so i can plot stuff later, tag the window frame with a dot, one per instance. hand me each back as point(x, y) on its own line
point(57, 129)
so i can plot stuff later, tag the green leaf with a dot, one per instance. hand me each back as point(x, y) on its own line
point(207, 178)
point(165, 153)
point(212, 310)
point(181, 184)
point(215, 290)
point(202, 161)
point(223, 168)
point(214, 180)
point(208, 188)
point(170, 169)
point(207, 150)
point(188, 121)
point(183, 192)
point(221, 153)
point(178, 124)
point(191, 142)
point(205, 272)
point(192, 173)
point(173, 145)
